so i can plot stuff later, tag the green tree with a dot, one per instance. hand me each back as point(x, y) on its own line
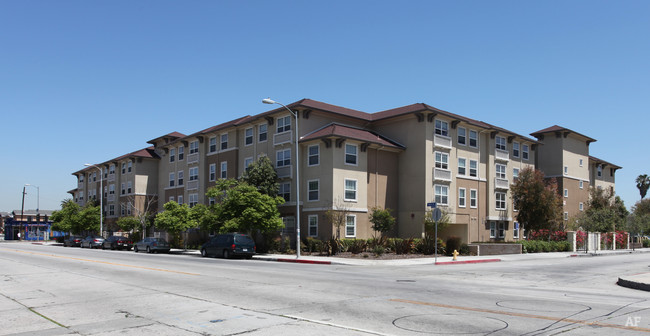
point(67, 219)
point(381, 219)
point(128, 224)
point(643, 183)
point(175, 219)
point(537, 201)
point(205, 216)
point(604, 212)
point(241, 207)
point(263, 176)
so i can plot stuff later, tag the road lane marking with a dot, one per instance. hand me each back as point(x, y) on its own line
point(105, 262)
point(541, 317)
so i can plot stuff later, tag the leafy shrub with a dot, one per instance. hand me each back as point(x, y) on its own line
point(537, 246)
point(427, 246)
point(646, 243)
point(402, 246)
point(464, 249)
point(545, 234)
point(378, 250)
point(357, 246)
point(453, 243)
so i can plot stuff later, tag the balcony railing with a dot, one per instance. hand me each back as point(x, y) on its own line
point(285, 171)
point(111, 177)
point(111, 198)
point(192, 158)
point(500, 183)
point(281, 138)
point(193, 185)
point(501, 154)
point(80, 185)
point(441, 141)
point(441, 174)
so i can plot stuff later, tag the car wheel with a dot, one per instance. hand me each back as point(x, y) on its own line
point(249, 257)
point(226, 254)
point(148, 249)
point(204, 253)
point(135, 249)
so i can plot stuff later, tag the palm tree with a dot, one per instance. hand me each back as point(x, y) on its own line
point(643, 183)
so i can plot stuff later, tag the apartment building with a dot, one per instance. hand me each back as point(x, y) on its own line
point(565, 157)
point(401, 159)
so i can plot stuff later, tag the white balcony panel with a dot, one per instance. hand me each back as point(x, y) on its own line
point(111, 198)
point(502, 155)
point(80, 185)
point(111, 177)
point(442, 141)
point(285, 171)
point(501, 183)
point(441, 174)
point(192, 158)
point(193, 185)
point(282, 138)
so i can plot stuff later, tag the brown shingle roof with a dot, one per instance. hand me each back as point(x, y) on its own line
point(597, 160)
point(556, 128)
point(349, 132)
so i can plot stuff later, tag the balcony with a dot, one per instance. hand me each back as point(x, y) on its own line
point(281, 138)
point(110, 198)
point(193, 158)
point(285, 171)
point(441, 141)
point(502, 155)
point(441, 174)
point(80, 185)
point(193, 185)
point(500, 183)
point(111, 177)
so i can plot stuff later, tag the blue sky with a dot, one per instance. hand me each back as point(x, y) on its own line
point(87, 81)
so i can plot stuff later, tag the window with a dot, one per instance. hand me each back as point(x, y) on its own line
point(213, 172)
point(248, 136)
point(501, 171)
point(441, 194)
point(111, 169)
point(515, 232)
point(194, 174)
point(180, 199)
point(283, 158)
point(181, 177)
point(129, 167)
point(181, 153)
point(515, 149)
point(461, 166)
point(129, 187)
point(566, 193)
point(473, 198)
point(123, 188)
point(172, 156)
point(502, 230)
point(493, 230)
point(473, 168)
point(313, 155)
point(473, 138)
point(248, 162)
point(213, 145)
point(350, 154)
point(171, 198)
point(581, 206)
point(172, 179)
point(312, 190)
point(442, 160)
point(284, 124)
point(194, 147)
point(95, 177)
point(224, 170)
point(289, 225)
point(515, 174)
point(501, 143)
point(350, 190)
point(111, 189)
point(461, 197)
point(500, 201)
point(566, 216)
point(580, 162)
point(581, 185)
point(262, 130)
point(212, 201)
point(566, 170)
point(224, 141)
point(600, 171)
point(442, 128)
point(111, 210)
point(194, 200)
point(524, 152)
point(285, 191)
point(462, 136)
point(313, 225)
point(350, 226)
point(123, 167)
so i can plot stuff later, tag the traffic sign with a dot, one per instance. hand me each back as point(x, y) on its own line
point(431, 205)
point(437, 214)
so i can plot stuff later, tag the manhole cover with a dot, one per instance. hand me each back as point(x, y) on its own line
point(450, 324)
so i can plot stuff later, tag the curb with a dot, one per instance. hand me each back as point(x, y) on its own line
point(466, 262)
point(633, 284)
point(299, 261)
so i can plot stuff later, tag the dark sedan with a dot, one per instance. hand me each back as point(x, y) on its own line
point(117, 243)
point(152, 245)
point(92, 242)
point(74, 241)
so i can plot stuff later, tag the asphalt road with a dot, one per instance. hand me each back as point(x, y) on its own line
point(52, 290)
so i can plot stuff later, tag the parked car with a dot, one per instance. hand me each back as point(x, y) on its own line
point(229, 245)
point(74, 241)
point(92, 241)
point(152, 245)
point(117, 243)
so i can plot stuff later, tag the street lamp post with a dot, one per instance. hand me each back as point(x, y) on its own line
point(101, 198)
point(38, 200)
point(295, 115)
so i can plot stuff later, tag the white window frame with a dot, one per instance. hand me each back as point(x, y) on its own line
point(354, 155)
point(284, 189)
point(180, 199)
point(193, 200)
point(515, 149)
point(181, 153)
point(473, 198)
point(194, 146)
point(248, 136)
point(172, 180)
point(248, 162)
point(348, 226)
point(599, 171)
point(347, 190)
point(223, 141)
point(566, 215)
point(515, 231)
point(515, 174)
point(441, 128)
point(310, 190)
point(181, 178)
point(462, 166)
point(213, 172)
point(500, 200)
point(566, 170)
point(500, 143)
point(129, 167)
point(312, 225)
point(223, 171)
point(441, 194)
point(566, 193)
point(581, 162)
point(460, 136)
point(524, 152)
point(129, 187)
point(311, 155)
point(283, 124)
point(500, 171)
point(212, 145)
point(262, 132)
point(194, 173)
point(493, 229)
point(474, 137)
point(501, 229)
point(581, 185)
point(475, 170)
point(172, 154)
point(285, 159)
point(462, 197)
point(442, 160)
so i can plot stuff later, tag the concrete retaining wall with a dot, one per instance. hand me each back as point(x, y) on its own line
point(494, 249)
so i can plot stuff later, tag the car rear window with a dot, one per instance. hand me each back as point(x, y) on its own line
point(244, 240)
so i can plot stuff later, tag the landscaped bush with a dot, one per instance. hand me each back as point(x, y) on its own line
point(453, 243)
point(537, 246)
point(427, 246)
point(547, 235)
point(402, 246)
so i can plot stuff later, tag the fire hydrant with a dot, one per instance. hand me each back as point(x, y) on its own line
point(455, 254)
